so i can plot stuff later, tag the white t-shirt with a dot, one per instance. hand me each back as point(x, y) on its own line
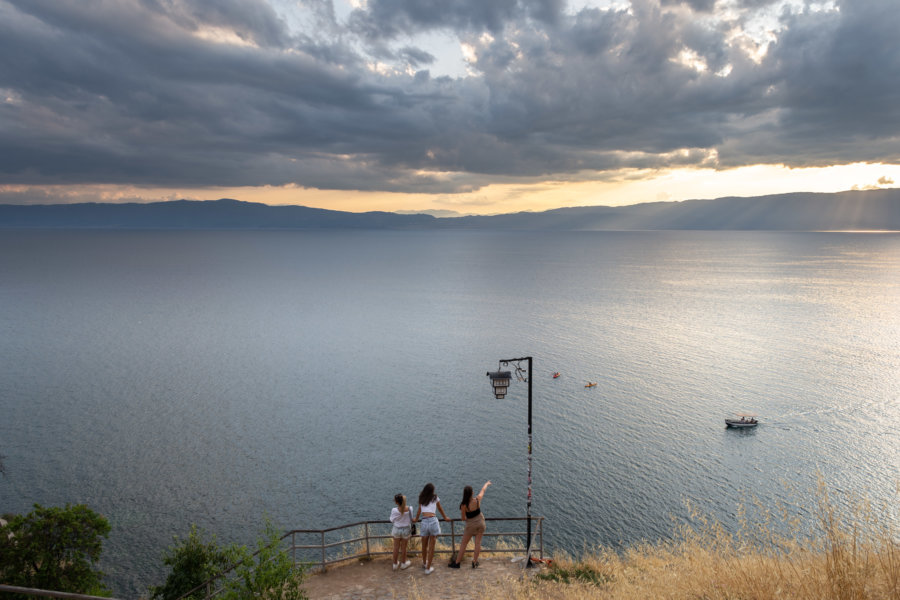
point(399, 520)
point(431, 506)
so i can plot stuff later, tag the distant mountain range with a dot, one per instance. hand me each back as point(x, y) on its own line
point(853, 210)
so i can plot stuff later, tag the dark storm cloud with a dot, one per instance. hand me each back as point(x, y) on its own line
point(390, 18)
point(211, 92)
point(251, 20)
point(835, 92)
point(697, 5)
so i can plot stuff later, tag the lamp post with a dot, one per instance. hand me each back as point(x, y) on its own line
point(500, 381)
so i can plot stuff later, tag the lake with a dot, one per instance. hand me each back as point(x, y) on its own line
point(165, 378)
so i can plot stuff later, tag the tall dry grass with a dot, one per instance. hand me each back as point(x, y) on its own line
point(846, 555)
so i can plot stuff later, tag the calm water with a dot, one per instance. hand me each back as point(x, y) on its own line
point(169, 378)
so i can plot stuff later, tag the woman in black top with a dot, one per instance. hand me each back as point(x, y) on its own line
point(470, 511)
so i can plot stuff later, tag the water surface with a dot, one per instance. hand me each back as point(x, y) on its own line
point(169, 378)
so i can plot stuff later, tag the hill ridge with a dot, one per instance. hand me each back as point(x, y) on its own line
point(867, 210)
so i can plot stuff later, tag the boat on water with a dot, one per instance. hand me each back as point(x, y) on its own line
point(556, 375)
point(590, 384)
point(742, 421)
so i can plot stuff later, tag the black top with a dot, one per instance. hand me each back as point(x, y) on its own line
point(474, 513)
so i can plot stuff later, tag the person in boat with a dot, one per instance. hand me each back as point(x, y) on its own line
point(470, 512)
point(431, 527)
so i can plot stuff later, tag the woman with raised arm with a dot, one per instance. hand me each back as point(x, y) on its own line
point(431, 528)
point(470, 511)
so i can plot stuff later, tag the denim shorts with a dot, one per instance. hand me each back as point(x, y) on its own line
point(401, 532)
point(430, 526)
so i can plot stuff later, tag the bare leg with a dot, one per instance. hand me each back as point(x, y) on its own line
point(477, 549)
point(425, 551)
point(462, 547)
point(403, 544)
point(396, 548)
point(432, 542)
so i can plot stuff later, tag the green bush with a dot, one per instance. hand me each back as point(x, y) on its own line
point(192, 562)
point(268, 574)
point(54, 549)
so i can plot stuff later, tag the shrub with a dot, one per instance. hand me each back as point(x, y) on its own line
point(269, 573)
point(54, 549)
point(193, 562)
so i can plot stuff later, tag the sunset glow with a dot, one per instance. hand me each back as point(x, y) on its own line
point(376, 105)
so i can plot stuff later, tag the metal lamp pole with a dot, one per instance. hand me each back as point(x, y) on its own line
point(500, 381)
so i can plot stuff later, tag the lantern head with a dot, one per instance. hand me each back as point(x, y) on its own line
point(500, 381)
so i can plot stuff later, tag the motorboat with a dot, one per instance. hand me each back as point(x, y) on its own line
point(742, 421)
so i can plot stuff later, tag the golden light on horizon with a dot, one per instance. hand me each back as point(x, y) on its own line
point(613, 189)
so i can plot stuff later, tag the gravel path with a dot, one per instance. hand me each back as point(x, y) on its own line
point(374, 580)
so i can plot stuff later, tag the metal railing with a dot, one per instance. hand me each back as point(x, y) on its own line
point(25, 591)
point(364, 544)
point(366, 535)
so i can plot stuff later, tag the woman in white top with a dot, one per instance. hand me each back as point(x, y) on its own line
point(431, 528)
point(401, 518)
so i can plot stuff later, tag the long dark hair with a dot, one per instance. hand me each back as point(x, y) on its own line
point(467, 497)
point(427, 494)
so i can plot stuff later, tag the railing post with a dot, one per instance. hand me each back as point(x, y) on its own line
point(453, 541)
point(323, 550)
point(293, 549)
point(367, 540)
point(541, 525)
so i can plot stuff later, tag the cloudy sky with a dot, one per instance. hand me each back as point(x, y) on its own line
point(477, 106)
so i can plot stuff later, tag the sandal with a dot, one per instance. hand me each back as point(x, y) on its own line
point(475, 564)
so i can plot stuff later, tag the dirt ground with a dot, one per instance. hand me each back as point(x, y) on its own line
point(375, 580)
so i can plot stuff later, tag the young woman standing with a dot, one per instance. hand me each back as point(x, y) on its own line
point(401, 518)
point(431, 528)
point(470, 511)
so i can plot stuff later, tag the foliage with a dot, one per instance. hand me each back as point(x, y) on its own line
point(269, 573)
point(54, 549)
point(192, 561)
point(576, 573)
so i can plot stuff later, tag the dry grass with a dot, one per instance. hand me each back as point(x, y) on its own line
point(845, 554)
point(853, 556)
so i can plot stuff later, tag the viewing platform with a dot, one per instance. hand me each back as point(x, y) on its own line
point(321, 548)
point(375, 580)
point(357, 565)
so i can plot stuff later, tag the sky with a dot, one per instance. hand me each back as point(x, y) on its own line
point(473, 106)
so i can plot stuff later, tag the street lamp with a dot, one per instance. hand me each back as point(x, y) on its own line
point(500, 382)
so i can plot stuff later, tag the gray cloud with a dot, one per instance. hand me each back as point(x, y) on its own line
point(697, 5)
point(142, 92)
point(251, 20)
point(392, 18)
